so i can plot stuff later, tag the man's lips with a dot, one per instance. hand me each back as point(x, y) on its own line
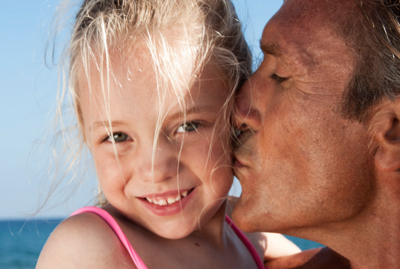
point(237, 163)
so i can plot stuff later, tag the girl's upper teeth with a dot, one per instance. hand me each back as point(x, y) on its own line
point(162, 202)
point(168, 201)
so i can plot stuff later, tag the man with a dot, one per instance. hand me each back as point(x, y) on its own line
point(320, 143)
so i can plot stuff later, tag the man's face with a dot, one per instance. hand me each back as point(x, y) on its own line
point(301, 164)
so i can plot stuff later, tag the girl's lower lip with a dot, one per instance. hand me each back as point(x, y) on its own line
point(168, 210)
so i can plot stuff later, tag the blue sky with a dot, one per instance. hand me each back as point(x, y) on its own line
point(28, 91)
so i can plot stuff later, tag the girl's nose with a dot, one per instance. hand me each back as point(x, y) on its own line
point(159, 164)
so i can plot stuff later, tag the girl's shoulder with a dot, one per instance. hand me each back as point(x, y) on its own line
point(84, 241)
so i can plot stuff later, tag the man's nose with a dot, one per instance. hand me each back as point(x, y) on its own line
point(157, 164)
point(246, 113)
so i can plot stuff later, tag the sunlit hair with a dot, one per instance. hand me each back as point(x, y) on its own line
point(206, 29)
point(372, 31)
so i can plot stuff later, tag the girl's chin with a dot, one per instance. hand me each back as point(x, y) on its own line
point(172, 233)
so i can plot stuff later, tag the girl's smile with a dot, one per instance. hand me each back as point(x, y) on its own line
point(166, 198)
point(163, 206)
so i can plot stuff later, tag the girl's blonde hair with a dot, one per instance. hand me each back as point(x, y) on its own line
point(205, 28)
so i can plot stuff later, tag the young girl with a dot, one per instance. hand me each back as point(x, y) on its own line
point(152, 83)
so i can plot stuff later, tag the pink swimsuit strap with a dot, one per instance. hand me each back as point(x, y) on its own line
point(114, 225)
point(246, 242)
point(135, 257)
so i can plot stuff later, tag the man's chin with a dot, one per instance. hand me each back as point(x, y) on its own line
point(242, 216)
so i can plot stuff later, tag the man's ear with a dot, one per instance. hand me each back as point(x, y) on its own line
point(385, 131)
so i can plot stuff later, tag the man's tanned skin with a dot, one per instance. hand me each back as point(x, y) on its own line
point(306, 169)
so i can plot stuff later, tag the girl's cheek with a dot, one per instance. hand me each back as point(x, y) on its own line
point(112, 173)
point(105, 162)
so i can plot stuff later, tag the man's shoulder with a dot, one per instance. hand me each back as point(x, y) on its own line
point(311, 259)
point(83, 241)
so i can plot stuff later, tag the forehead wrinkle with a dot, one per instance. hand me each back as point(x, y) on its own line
point(287, 47)
point(303, 57)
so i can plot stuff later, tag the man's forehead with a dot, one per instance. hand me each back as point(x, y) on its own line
point(305, 20)
point(310, 11)
point(301, 43)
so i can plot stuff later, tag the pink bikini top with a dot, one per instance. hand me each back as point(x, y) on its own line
point(135, 257)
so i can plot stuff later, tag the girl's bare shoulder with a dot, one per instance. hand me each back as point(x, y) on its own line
point(84, 241)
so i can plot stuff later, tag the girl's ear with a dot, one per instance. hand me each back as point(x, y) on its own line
point(385, 131)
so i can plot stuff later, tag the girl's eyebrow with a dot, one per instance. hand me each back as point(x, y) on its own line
point(105, 124)
point(194, 109)
point(198, 109)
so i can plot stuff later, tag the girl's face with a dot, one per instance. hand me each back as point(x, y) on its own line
point(181, 182)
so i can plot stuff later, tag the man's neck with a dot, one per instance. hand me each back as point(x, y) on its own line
point(371, 240)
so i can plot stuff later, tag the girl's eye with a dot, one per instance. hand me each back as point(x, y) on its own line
point(188, 127)
point(118, 137)
point(278, 78)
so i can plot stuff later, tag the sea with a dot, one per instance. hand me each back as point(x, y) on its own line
point(22, 240)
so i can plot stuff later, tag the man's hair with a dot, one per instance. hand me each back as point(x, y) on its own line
point(373, 35)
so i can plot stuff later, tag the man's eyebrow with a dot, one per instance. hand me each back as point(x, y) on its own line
point(272, 49)
point(105, 124)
